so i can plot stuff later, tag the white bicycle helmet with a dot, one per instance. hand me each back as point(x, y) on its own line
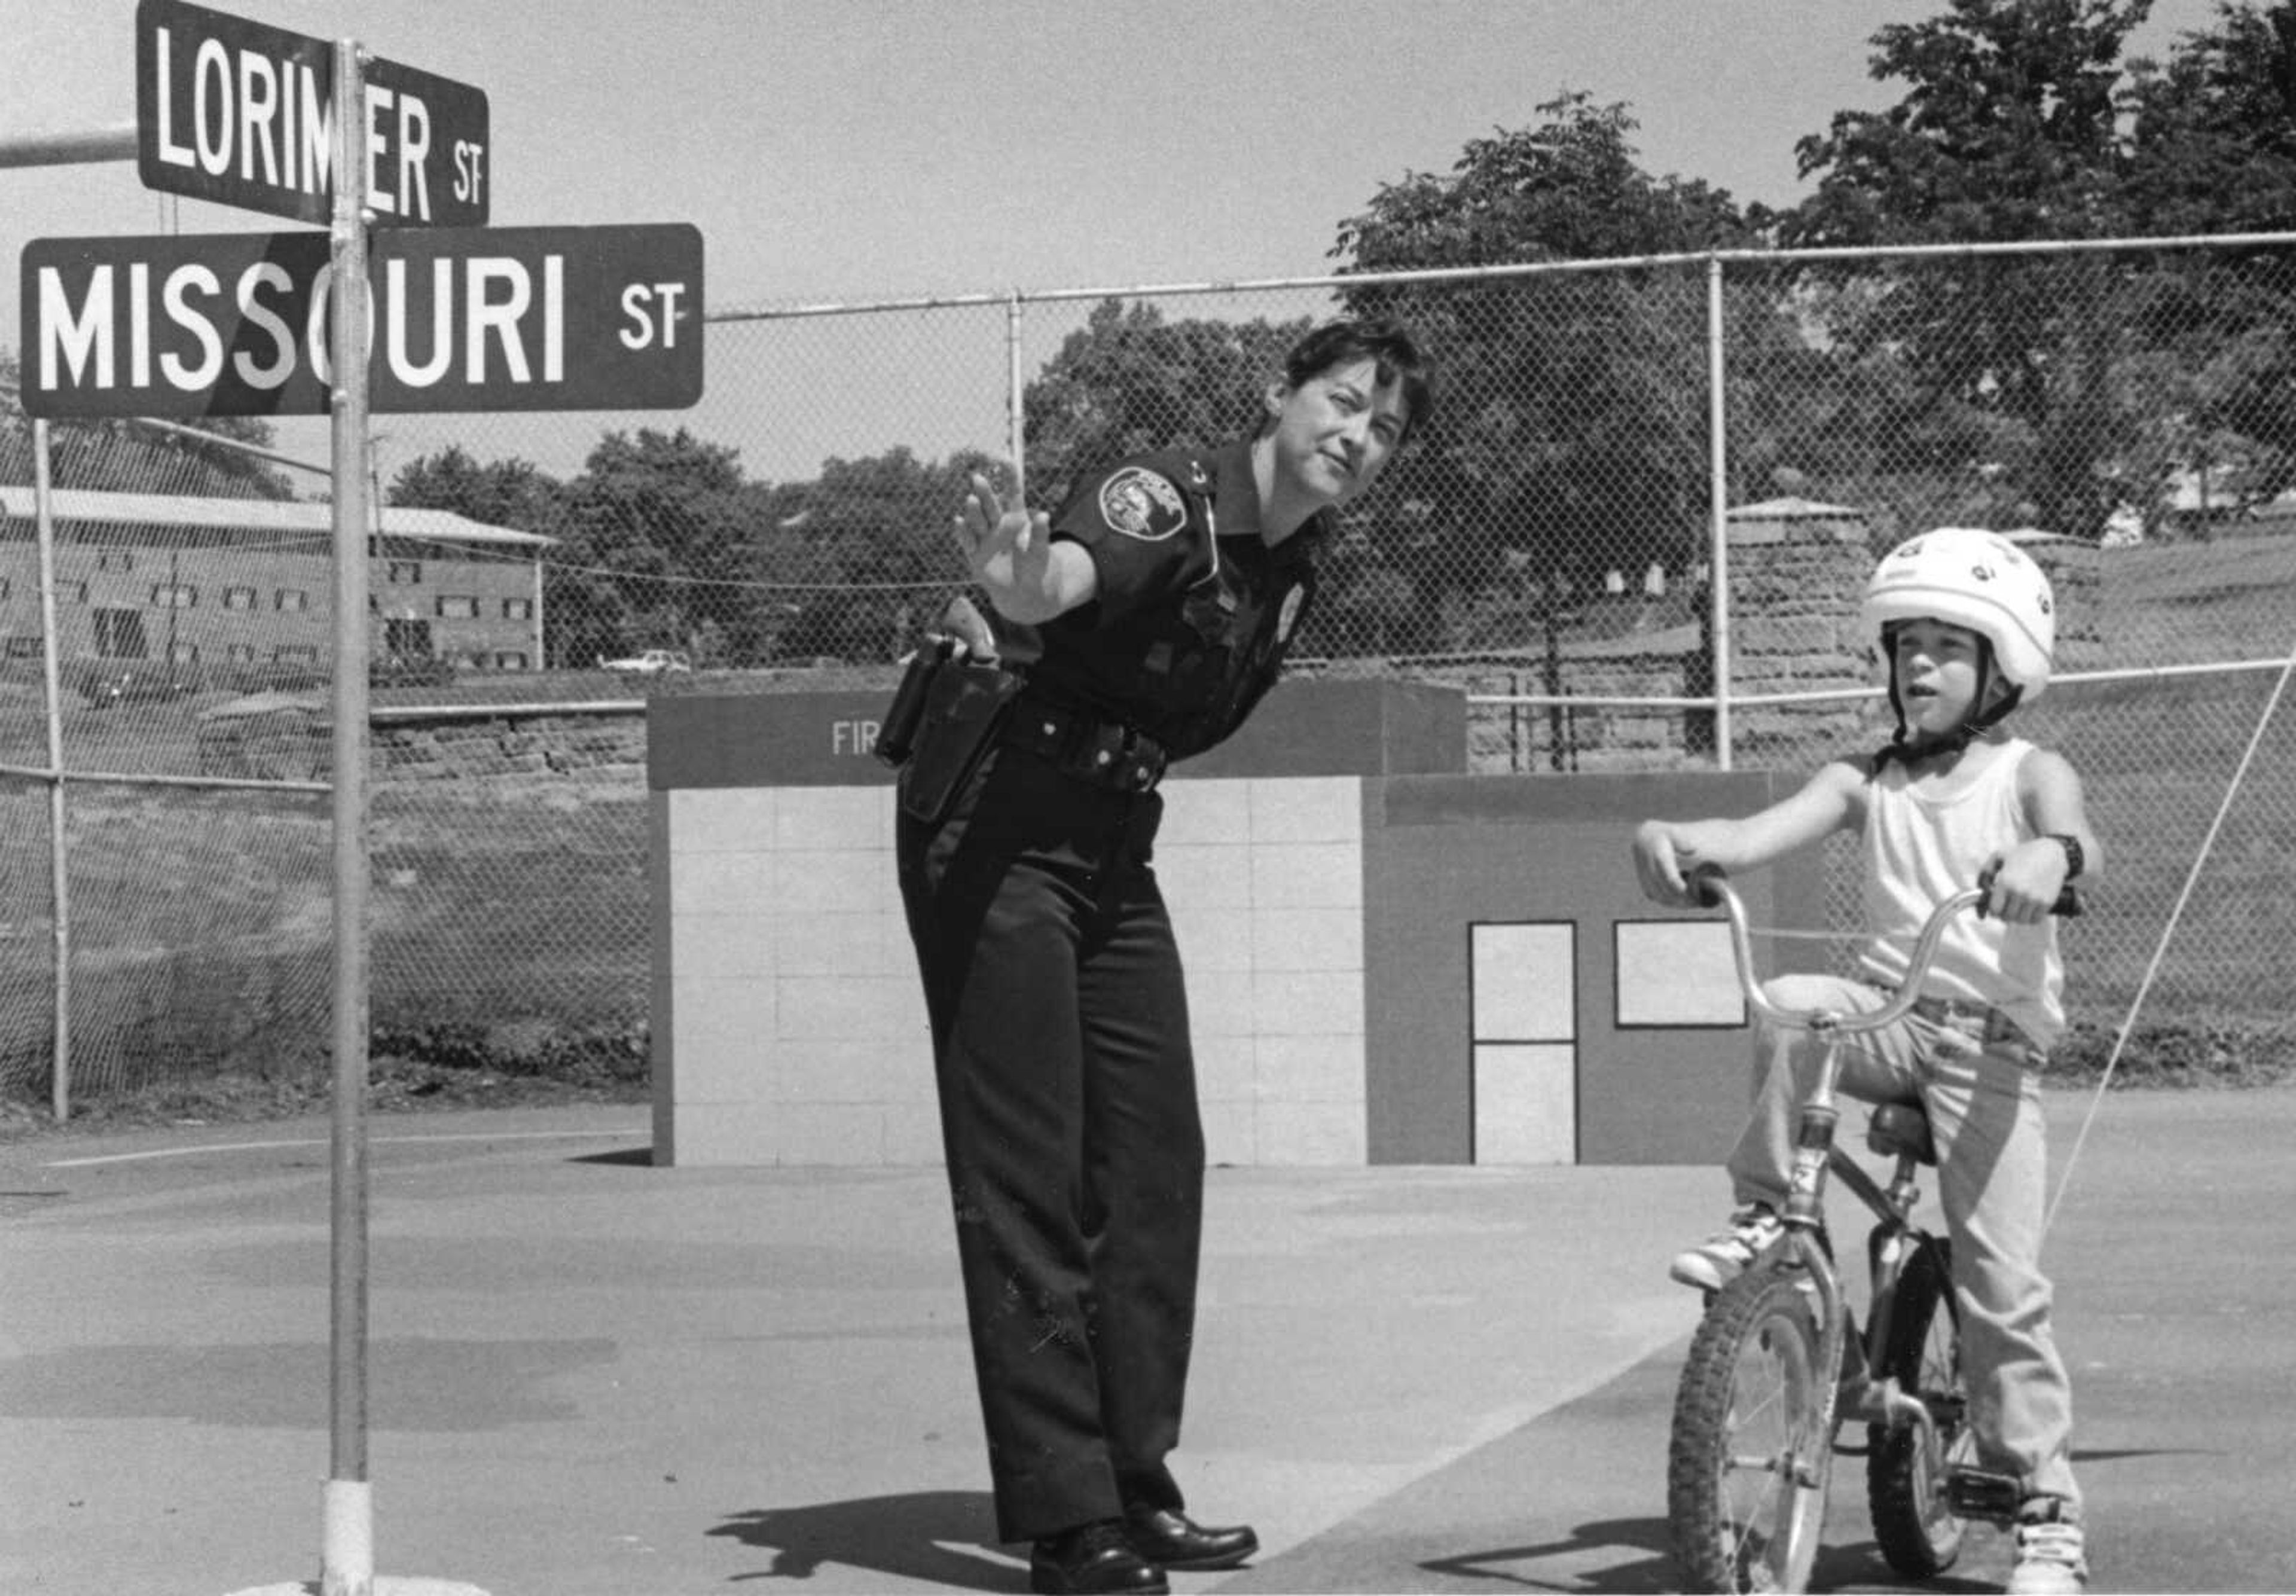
point(1976, 578)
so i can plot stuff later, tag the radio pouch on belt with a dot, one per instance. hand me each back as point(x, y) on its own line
point(965, 705)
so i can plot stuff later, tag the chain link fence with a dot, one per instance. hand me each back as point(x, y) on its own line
point(1551, 545)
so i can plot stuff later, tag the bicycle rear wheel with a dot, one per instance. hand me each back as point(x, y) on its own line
point(1914, 1522)
point(1752, 1447)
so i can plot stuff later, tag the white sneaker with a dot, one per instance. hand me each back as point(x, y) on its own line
point(1723, 1256)
point(2051, 1554)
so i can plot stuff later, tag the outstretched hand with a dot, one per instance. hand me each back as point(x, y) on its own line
point(1010, 551)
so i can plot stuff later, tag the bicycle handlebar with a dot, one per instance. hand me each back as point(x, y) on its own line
point(1712, 889)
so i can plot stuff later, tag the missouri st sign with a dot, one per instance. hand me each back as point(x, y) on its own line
point(492, 318)
point(243, 114)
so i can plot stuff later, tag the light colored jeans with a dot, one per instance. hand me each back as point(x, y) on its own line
point(1984, 1107)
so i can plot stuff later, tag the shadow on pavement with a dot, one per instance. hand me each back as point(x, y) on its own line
point(1653, 1572)
point(944, 1536)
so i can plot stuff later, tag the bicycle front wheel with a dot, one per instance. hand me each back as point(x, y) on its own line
point(1914, 1522)
point(1752, 1447)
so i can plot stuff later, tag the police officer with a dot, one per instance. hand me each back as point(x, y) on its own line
point(1162, 598)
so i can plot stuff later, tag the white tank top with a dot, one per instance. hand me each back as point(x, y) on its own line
point(1919, 852)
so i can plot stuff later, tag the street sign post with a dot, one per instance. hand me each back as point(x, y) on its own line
point(461, 319)
point(243, 114)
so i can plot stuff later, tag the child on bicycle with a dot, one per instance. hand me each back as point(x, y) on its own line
point(1966, 623)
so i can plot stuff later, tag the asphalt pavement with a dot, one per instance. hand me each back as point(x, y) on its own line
point(587, 1375)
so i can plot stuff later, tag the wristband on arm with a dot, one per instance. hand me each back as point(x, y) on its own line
point(2074, 859)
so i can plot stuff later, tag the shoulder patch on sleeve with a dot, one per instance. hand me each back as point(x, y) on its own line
point(1143, 504)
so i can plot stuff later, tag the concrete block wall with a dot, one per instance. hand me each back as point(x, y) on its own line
point(794, 1025)
point(1265, 881)
point(790, 1022)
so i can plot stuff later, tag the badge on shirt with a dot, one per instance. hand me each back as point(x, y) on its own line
point(1141, 503)
point(1289, 613)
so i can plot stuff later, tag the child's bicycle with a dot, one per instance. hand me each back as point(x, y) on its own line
point(1780, 1363)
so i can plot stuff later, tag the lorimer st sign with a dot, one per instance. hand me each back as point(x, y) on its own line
point(243, 114)
point(236, 324)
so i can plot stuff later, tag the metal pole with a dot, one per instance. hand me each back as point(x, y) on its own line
point(1016, 441)
point(59, 873)
point(347, 1567)
point(115, 142)
point(1719, 528)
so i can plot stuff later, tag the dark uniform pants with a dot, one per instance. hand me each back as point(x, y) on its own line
point(1068, 1105)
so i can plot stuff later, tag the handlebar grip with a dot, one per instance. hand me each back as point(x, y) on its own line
point(2068, 904)
point(1701, 884)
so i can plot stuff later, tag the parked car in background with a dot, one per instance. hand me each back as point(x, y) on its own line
point(654, 662)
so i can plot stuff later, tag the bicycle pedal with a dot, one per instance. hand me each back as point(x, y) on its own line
point(1983, 1493)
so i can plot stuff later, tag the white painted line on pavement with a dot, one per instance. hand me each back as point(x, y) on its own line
point(321, 1141)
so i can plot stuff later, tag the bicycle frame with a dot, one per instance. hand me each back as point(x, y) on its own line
point(1855, 1394)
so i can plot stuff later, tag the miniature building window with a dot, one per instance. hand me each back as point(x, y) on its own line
point(79, 592)
point(24, 648)
point(185, 654)
point(406, 573)
point(509, 660)
point(513, 609)
point(290, 598)
point(6, 588)
point(239, 598)
point(240, 654)
point(296, 654)
point(115, 559)
point(457, 606)
point(181, 596)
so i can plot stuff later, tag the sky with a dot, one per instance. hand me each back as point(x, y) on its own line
point(848, 151)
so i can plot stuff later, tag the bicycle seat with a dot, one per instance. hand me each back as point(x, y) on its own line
point(1901, 1128)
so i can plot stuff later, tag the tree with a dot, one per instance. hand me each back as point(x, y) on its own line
point(657, 548)
point(1129, 382)
point(2212, 145)
point(511, 493)
point(1571, 432)
point(2007, 131)
point(2068, 379)
point(2213, 149)
point(859, 562)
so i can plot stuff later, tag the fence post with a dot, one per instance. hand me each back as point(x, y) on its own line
point(1719, 524)
point(44, 522)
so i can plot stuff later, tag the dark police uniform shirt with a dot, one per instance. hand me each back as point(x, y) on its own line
point(1194, 611)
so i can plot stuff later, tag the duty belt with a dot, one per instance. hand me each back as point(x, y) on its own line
point(1107, 753)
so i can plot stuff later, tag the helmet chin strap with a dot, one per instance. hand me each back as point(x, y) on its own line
point(1904, 745)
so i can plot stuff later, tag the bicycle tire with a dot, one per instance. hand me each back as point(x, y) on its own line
point(1914, 1521)
point(1751, 1451)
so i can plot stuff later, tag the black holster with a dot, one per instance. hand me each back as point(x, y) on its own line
point(964, 707)
point(896, 732)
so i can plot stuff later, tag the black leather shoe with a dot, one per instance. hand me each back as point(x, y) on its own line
point(1172, 1540)
point(1093, 1560)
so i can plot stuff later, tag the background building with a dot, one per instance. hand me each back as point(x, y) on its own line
point(222, 587)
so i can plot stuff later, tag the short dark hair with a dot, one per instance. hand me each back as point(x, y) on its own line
point(1376, 339)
